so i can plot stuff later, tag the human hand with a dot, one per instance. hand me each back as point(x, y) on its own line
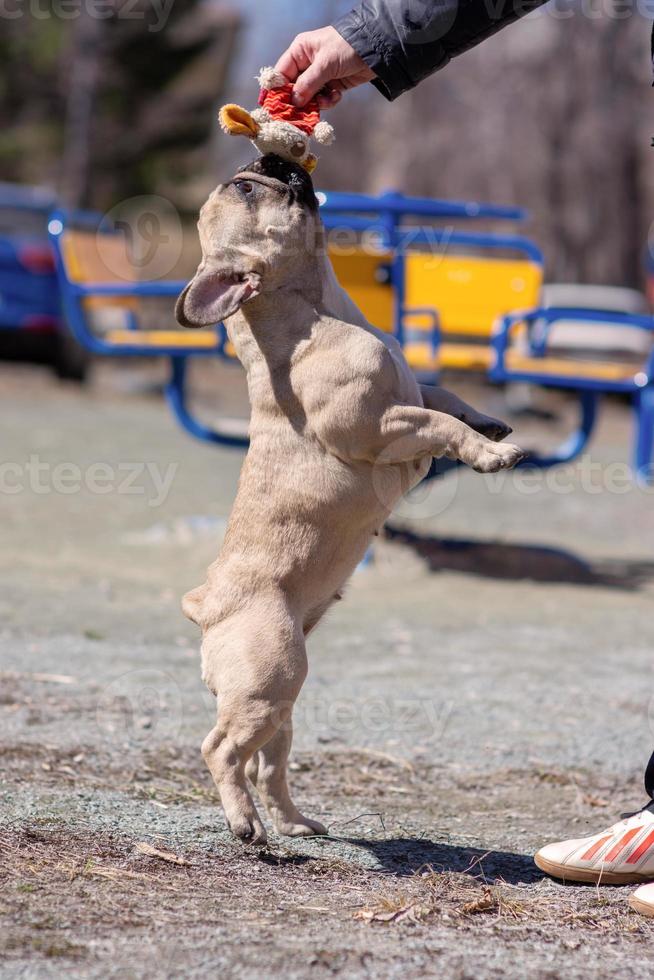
point(322, 62)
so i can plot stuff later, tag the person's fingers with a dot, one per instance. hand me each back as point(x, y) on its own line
point(310, 82)
point(329, 96)
point(328, 102)
point(294, 61)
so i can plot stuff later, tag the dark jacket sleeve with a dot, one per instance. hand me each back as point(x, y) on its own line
point(403, 41)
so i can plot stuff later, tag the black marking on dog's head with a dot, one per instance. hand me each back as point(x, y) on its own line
point(296, 178)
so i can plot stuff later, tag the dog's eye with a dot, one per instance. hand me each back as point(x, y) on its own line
point(244, 186)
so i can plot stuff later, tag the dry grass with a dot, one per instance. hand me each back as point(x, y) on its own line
point(64, 889)
point(468, 903)
point(109, 881)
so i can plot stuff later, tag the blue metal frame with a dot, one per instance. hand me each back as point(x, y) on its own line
point(546, 316)
point(397, 204)
point(576, 442)
point(352, 212)
point(73, 294)
point(640, 387)
point(176, 396)
point(434, 327)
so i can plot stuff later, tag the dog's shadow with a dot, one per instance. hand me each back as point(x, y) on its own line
point(515, 562)
point(403, 857)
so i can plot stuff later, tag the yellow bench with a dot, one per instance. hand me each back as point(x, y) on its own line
point(468, 292)
point(101, 261)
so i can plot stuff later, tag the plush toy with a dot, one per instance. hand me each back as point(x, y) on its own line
point(278, 126)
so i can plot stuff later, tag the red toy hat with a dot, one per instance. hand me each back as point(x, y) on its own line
point(275, 99)
point(277, 126)
point(278, 104)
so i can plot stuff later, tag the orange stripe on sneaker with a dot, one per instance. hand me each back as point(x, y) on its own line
point(598, 845)
point(641, 849)
point(622, 843)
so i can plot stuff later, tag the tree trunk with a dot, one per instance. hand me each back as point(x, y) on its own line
point(83, 78)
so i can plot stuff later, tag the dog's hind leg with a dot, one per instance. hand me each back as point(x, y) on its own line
point(268, 773)
point(440, 400)
point(256, 664)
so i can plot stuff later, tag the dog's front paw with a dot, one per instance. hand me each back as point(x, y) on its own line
point(492, 456)
point(248, 831)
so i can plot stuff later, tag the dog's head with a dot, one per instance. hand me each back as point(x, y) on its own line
point(256, 232)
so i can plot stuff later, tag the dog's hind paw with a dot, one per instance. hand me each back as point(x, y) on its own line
point(301, 828)
point(486, 425)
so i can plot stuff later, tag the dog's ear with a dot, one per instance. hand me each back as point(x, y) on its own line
point(237, 121)
point(212, 296)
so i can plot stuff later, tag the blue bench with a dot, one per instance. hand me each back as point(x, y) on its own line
point(97, 283)
point(543, 356)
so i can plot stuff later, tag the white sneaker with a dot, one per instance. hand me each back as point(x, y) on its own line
point(642, 900)
point(621, 855)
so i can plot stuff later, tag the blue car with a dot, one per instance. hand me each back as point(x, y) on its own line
point(31, 324)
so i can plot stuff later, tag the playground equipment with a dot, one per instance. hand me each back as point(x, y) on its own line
point(457, 299)
point(592, 340)
point(30, 309)
point(103, 304)
point(470, 277)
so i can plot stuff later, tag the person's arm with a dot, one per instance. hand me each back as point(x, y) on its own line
point(392, 43)
point(404, 41)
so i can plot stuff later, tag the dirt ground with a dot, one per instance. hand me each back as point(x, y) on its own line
point(486, 687)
